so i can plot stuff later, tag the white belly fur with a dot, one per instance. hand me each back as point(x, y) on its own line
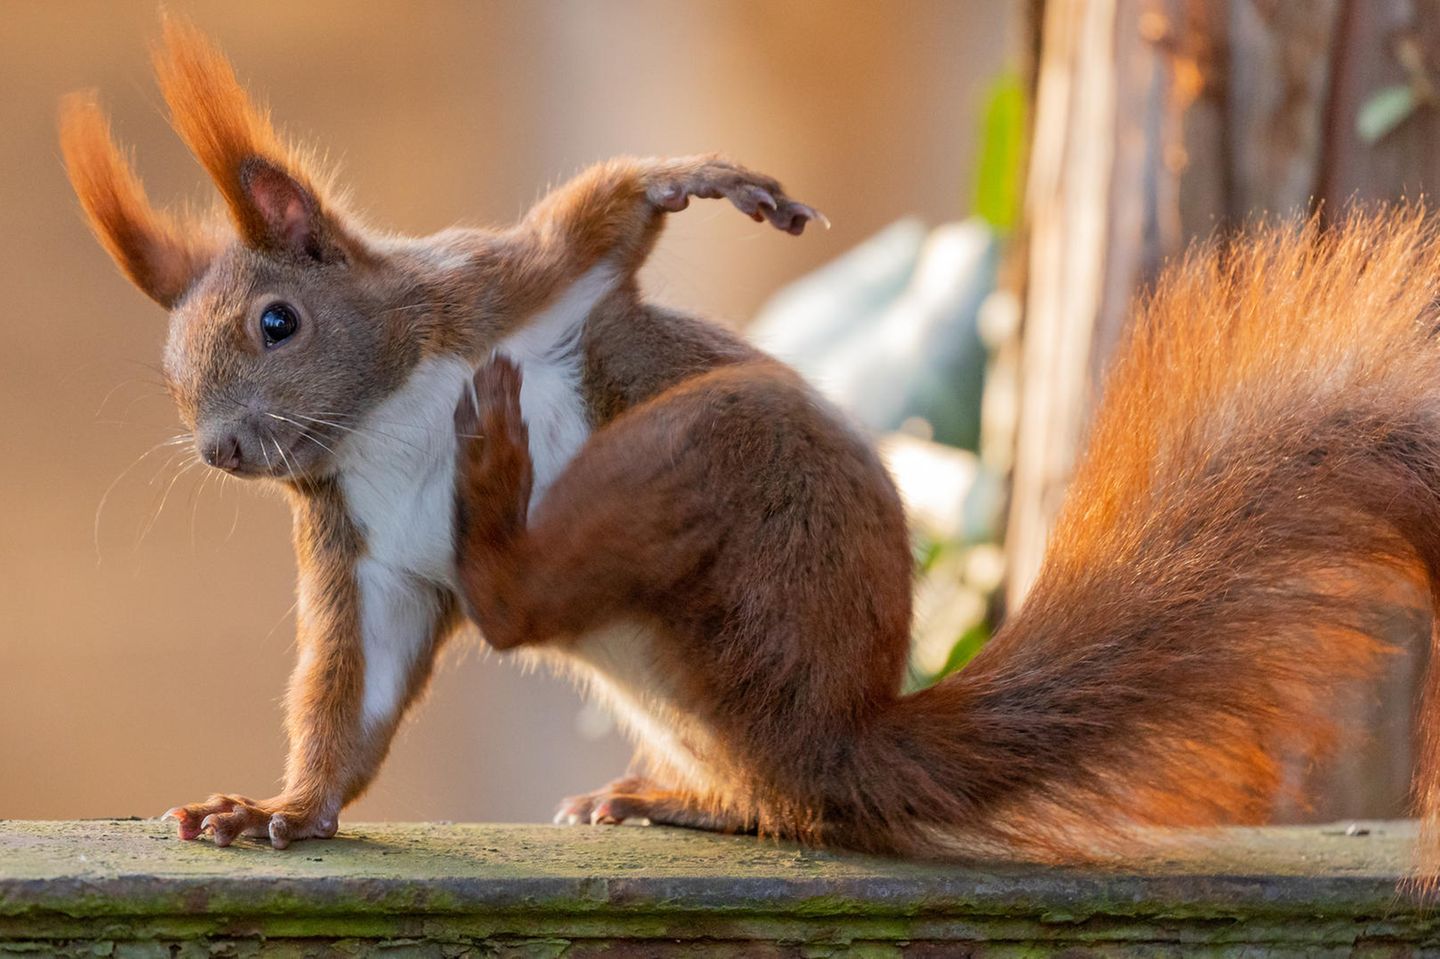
point(397, 473)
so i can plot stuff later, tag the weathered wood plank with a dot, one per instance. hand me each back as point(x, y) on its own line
point(130, 889)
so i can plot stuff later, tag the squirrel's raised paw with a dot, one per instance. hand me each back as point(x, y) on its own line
point(494, 474)
point(226, 818)
point(674, 182)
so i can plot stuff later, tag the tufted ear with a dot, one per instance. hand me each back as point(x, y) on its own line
point(272, 194)
point(159, 256)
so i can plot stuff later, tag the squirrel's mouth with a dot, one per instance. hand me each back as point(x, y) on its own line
point(281, 448)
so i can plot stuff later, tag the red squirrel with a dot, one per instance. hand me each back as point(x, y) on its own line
point(495, 424)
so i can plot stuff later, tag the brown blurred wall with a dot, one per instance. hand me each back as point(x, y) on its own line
point(148, 671)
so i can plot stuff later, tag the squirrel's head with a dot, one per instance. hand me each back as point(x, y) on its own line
point(282, 325)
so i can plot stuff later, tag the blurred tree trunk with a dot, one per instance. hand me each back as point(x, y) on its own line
point(1159, 121)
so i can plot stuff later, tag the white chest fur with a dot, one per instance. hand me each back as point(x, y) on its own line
point(398, 475)
point(548, 351)
point(398, 472)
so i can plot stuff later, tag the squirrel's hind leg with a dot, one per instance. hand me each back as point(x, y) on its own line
point(622, 528)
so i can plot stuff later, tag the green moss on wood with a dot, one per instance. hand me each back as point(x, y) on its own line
point(129, 888)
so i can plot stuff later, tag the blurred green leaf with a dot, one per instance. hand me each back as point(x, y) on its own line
point(1384, 111)
point(926, 551)
point(965, 648)
point(1002, 153)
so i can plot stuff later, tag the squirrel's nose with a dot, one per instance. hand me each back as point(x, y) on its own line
point(224, 453)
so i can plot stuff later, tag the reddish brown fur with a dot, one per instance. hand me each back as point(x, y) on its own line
point(232, 138)
point(1262, 471)
point(744, 518)
point(150, 246)
point(454, 294)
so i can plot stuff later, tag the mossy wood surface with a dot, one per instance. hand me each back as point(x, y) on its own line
point(130, 889)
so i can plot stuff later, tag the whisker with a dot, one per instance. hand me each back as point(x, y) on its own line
point(105, 496)
point(362, 431)
point(412, 307)
point(417, 427)
point(121, 385)
point(285, 458)
point(281, 621)
point(263, 452)
point(136, 399)
point(167, 465)
point(165, 498)
point(196, 492)
point(234, 522)
point(304, 432)
point(369, 418)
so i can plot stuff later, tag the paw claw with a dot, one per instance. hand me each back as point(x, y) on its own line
point(607, 813)
point(573, 811)
point(186, 826)
point(215, 826)
point(804, 214)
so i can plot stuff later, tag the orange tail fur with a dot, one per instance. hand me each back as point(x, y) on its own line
point(1262, 478)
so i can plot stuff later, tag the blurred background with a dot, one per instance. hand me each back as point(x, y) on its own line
point(1003, 177)
point(143, 651)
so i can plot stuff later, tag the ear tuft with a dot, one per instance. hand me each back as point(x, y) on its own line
point(271, 194)
point(155, 252)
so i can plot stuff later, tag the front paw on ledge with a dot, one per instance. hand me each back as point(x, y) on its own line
point(228, 817)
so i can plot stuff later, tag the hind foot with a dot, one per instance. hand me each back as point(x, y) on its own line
point(633, 799)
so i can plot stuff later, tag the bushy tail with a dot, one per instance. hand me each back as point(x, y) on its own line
point(1262, 481)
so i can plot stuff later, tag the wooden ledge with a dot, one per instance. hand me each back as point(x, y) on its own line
point(129, 888)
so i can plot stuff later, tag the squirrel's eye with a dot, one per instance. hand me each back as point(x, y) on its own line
point(278, 322)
